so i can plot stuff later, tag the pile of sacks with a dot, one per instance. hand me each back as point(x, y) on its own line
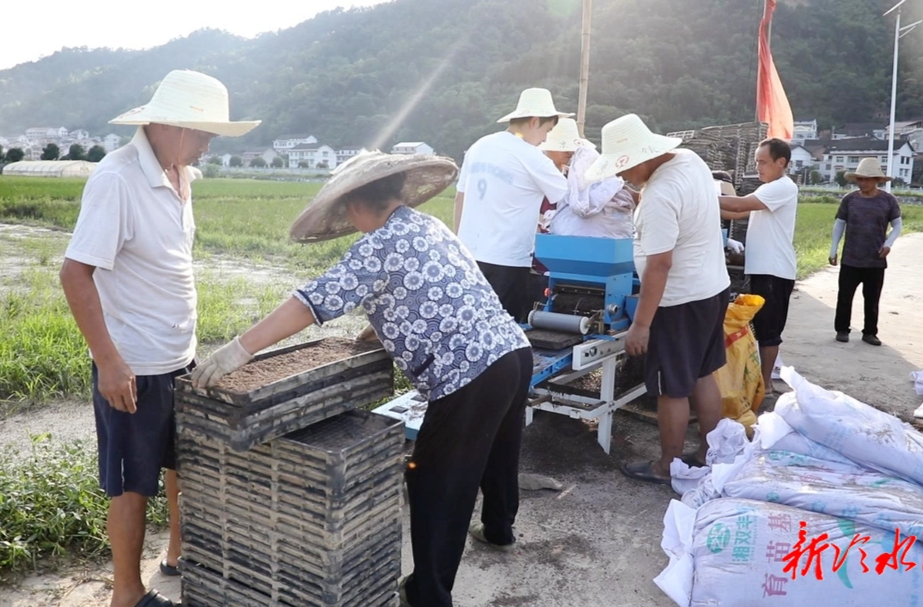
point(824, 506)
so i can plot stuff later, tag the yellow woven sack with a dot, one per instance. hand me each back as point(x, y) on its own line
point(741, 379)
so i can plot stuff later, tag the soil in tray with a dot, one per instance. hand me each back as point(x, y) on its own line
point(263, 372)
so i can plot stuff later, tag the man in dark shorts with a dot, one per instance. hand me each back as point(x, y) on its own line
point(128, 279)
point(679, 255)
point(770, 261)
point(864, 216)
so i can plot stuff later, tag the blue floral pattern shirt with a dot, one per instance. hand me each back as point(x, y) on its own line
point(426, 298)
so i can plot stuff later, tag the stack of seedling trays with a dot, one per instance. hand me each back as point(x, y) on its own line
point(290, 495)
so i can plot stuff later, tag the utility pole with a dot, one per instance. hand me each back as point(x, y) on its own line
point(899, 32)
point(584, 64)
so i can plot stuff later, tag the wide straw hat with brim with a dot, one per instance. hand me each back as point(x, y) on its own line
point(626, 143)
point(325, 217)
point(535, 103)
point(190, 100)
point(565, 137)
point(869, 169)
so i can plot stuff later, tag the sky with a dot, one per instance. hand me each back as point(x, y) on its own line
point(36, 29)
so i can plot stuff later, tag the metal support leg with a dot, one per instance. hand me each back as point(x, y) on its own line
point(530, 413)
point(606, 393)
point(604, 431)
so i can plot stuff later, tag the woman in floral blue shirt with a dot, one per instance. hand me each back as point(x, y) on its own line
point(445, 328)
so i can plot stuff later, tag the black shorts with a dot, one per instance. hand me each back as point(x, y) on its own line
point(512, 287)
point(686, 343)
point(769, 322)
point(133, 447)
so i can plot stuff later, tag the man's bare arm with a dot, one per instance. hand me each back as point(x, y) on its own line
point(116, 381)
point(741, 204)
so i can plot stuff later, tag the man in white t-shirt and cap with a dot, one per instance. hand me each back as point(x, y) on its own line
point(502, 183)
point(128, 279)
point(679, 256)
point(770, 261)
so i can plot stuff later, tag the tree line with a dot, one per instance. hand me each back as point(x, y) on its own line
point(52, 151)
point(443, 72)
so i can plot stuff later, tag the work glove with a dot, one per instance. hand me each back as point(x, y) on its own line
point(225, 359)
point(735, 246)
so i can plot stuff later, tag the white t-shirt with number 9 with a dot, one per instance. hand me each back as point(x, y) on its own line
point(504, 180)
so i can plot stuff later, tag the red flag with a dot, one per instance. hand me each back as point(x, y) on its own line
point(771, 103)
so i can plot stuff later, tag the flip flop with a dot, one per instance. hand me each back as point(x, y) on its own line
point(643, 471)
point(155, 599)
point(168, 569)
point(692, 461)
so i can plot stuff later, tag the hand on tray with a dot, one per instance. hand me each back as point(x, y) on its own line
point(225, 359)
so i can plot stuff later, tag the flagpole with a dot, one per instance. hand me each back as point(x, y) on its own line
point(584, 64)
point(897, 35)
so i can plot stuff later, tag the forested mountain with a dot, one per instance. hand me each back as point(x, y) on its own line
point(443, 71)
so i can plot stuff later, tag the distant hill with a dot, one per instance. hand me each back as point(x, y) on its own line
point(443, 71)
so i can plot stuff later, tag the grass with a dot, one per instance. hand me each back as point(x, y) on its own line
point(51, 504)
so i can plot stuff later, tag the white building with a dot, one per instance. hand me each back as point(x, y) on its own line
point(287, 142)
point(347, 152)
point(267, 155)
point(412, 147)
point(860, 130)
point(316, 156)
point(79, 135)
point(801, 159)
point(804, 129)
point(845, 154)
point(111, 142)
point(45, 132)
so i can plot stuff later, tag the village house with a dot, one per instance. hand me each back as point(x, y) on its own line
point(845, 154)
point(860, 130)
point(803, 130)
point(345, 153)
point(412, 147)
point(38, 133)
point(266, 154)
point(111, 142)
point(317, 156)
point(287, 142)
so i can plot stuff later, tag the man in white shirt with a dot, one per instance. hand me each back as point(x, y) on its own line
point(679, 256)
point(128, 279)
point(502, 183)
point(770, 261)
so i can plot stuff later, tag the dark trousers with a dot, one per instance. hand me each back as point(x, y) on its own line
point(872, 280)
point(511, 285)
point(468, 439)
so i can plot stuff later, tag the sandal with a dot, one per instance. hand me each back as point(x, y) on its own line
point(692, 461)
point(644, 471)
point(169, 570)
point(155, 599)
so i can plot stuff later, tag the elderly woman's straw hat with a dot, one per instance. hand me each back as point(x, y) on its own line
point(565, 137)
point(534, 103)
point(868, 168)
point(627, 142)
point(190, 100)
point(325, 217)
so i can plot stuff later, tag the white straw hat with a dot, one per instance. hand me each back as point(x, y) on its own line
point(534, 103)
point(565, 137)
point(627, 142)
point(190, 100)
point(325, 216)
point(868, 167)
